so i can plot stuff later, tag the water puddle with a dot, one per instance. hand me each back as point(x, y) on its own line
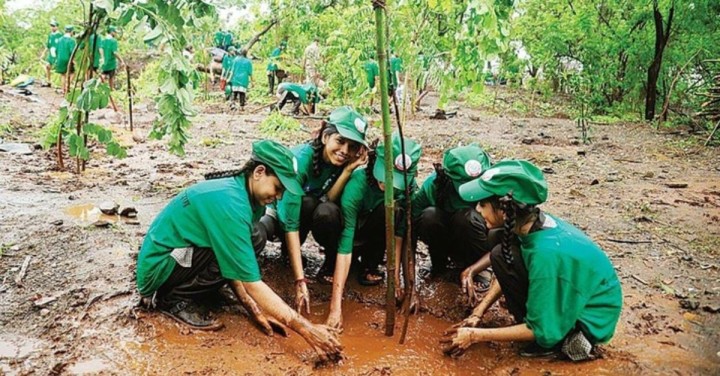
point(87, 214)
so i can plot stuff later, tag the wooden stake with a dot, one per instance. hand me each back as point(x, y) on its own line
point(130, 97)
point(23, 271)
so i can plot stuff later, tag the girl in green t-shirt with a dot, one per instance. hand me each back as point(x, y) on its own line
point(558, 284)
point(201, 241)
point(449, 225)
point(324, 167)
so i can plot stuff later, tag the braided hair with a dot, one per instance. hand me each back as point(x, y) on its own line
point(247, 169)
point(517, 215)
point(443, 185)
point(318, 146)
point(372, 157)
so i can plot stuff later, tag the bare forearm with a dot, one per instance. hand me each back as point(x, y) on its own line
point(270, 303)
point(342, 269)
point(519, 332)
point(490, 298)
point(292, 240)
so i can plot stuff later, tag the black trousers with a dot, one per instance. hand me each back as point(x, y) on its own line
point(271, 82)
point(289, 96)
point(462, 236)
point(369, 244)
point(202, 277)
point(239, 95)
point(513, 279)
point(323, 219)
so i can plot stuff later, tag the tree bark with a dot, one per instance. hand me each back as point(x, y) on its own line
point(257, 36)
point(661, 39)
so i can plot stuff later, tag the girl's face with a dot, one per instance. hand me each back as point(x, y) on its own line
point(339, 150)
point(265, 188)
point(381, 185)
point(494, 218)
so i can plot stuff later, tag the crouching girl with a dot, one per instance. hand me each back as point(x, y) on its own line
point(558, 284)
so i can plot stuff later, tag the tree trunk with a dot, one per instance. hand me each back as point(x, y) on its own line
point(257, 36)
point(661, 39)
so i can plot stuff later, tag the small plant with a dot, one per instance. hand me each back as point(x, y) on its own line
point(279, 126)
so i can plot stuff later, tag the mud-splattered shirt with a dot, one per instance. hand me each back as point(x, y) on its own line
point(358, 201)
point(571, 280)
point(289, 206)
point(216, 214)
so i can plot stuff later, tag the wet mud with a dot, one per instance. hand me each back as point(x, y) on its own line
point(74, 310)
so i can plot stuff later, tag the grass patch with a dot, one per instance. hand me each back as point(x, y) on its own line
point(279, 126)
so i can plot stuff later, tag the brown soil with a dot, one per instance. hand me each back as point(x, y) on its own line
point(73, 311)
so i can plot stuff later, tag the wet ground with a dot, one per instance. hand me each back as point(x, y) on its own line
point(650, 198)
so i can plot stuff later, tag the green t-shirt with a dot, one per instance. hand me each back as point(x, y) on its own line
point(302, 91)
point(216, 214)
point(371, 72)
point(227, 39)
point(571, 280)
point(51, 45)
point(109, 46)
point(96, 42)
point(395, 67)
point(65, 46)
point(358, 200)
point(219, 38)
point(241, 72)
point(427, 196)
point(316, 186)
point(274, 58)
point(227, 64)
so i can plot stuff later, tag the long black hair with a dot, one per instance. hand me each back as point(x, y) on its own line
point(517, 215)
point(443, 185)
point(372, 157)
point(246, 169)
point(318, 146)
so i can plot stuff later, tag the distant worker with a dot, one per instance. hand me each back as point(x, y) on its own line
point(372, 72)
point(110, 56)
point(240, 78)
point(51, 49)
point(272, 68)
point(63, 65)
point(311, 60)
point(304, 97)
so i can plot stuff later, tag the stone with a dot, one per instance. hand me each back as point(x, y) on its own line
point(108, 207)
point(129, 212)
point(16, 148)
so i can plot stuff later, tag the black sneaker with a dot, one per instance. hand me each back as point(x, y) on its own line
point(533, 350)
point(188, 313)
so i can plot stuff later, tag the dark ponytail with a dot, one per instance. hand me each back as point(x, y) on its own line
point(247, 169)
point(443, 185)
point(318, 146)
point(372, 157)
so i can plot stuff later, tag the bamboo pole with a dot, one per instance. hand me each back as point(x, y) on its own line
point(130, 96)
point(381, 49)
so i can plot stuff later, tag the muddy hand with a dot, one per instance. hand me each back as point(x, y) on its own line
point(278, 327)
point(468, 287)
point(302, 298)
point(456, 341)
point(334, 321)
point(325, 342)
point(472, 321)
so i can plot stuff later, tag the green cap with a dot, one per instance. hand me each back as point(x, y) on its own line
point(69, 27)
point(410, 158)
point(520, 178)
point(281, 160)
point(349, 124)
point(465, 163)
point(53, 23)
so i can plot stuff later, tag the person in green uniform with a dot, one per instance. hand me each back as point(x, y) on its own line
point(372, 71)
point(272, 68)
point(396, 68)
point(219, 39)
point(304, 97)
point(558, 284)
point(63, 65)
point(227, 40)
point(240, 77)
point(110, 56)
point(51, 50)
point(227, 64)
point(363, 232)
point(449, 225)
point(324, 167)
point(95, 43)
point(201, 241)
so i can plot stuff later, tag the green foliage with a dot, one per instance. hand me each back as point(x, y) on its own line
point(279, 126)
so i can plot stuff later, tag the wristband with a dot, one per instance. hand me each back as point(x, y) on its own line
point(303, 280)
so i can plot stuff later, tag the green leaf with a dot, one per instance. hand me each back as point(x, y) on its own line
point(114, 149)
point(104, 4)
point(77, 147)
point(153, 34)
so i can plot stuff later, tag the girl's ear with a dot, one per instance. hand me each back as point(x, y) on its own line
point(259, 172)
point(325, 138)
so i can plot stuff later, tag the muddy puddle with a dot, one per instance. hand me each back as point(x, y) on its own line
point(241, 349)
point(89, 214)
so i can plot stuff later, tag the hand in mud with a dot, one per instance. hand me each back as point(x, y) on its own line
point(302, 297)
point(359, 160)
point(413, 306)
point(456, 341)
point(269, 325)
point(468, 286)
point(324, 341)
point(334, 320)
point(472, 321)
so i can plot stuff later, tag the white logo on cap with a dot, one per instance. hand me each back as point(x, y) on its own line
point(489, 174)
point(360, 125)
point(399, 162)
point(473, 168)
point(295, 163)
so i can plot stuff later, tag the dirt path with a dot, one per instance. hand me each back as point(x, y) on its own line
point(73, 311)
